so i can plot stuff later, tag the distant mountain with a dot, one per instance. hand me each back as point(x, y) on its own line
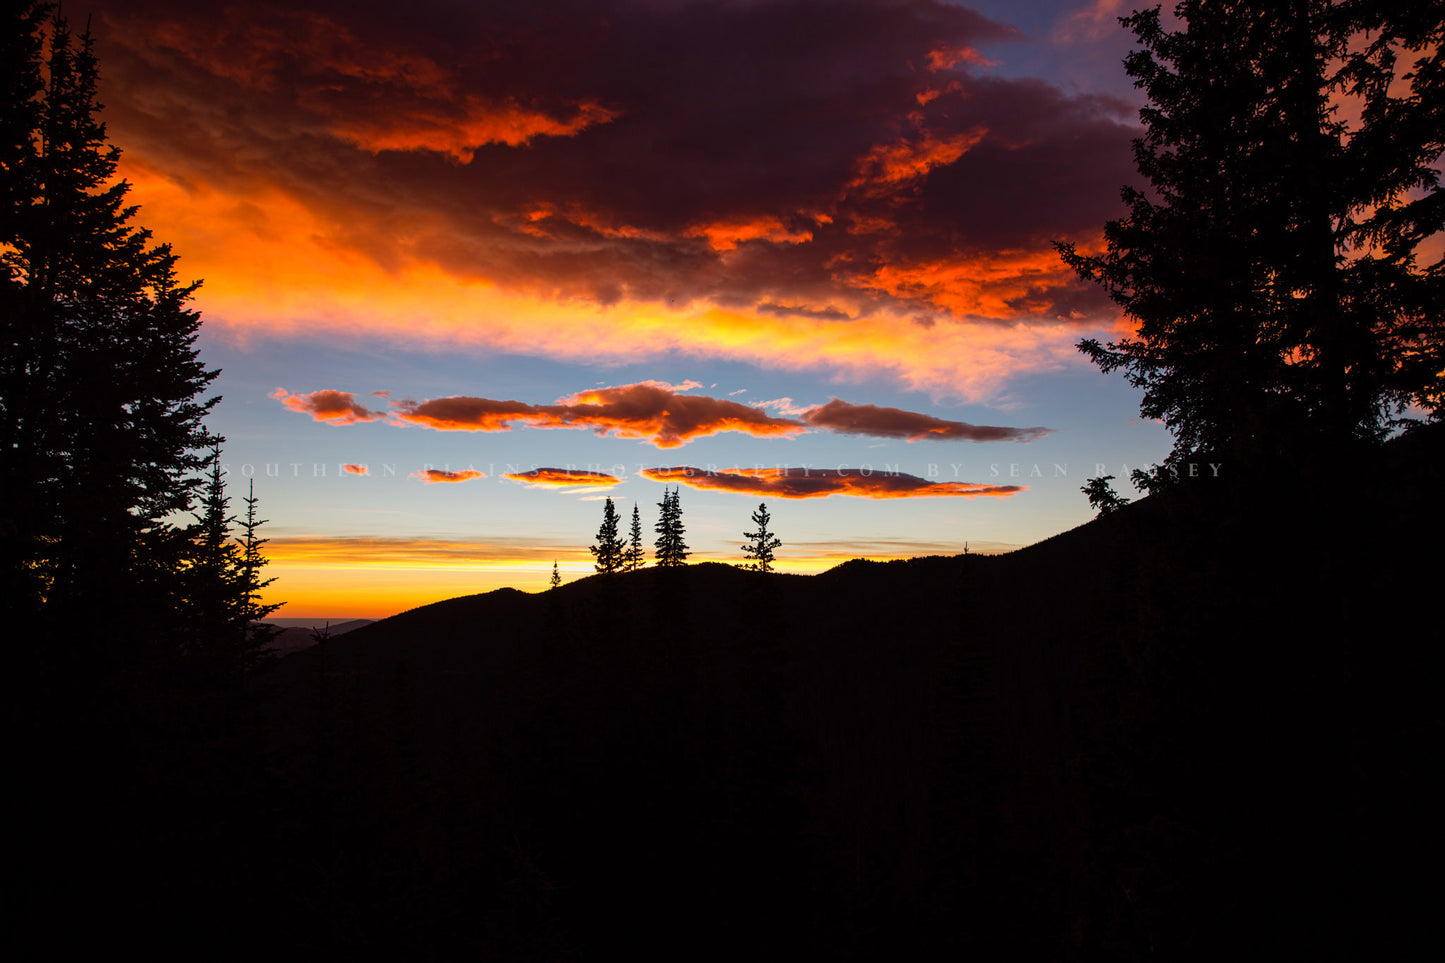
point(293, 638)
point(312, 623)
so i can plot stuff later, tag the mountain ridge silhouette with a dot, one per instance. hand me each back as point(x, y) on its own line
point(1155, 733)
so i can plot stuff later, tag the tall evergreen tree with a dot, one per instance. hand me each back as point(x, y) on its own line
point(103, 451)
point(556, 576)
point(214, 560)
point(101, 416)
point(610, 547)
point(671, 549)
point(762, 542)
point(1272, 267)
point(635, 557)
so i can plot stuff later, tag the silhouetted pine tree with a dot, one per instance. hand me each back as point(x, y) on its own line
point(671, 549)
point(760, 548)
point(1271, 265)
point(634, 558)
point(556, 576)
point(225, 635)
point(212, 566)
point(253, 610)
point(103, 451)
point(610, 547)
point(101, 432)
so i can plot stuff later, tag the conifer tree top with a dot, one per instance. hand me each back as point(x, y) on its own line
point(1270, 270)
point(671, 549)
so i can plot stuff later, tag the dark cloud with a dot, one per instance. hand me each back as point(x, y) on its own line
point(844, 418)
point(830, 156)
point(821, 482)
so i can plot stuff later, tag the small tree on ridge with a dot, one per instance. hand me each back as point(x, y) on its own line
point(610, 546)
point(671, 549)
point(760, 549)
point(633, 558)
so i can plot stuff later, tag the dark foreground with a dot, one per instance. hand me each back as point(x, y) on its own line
point(1206, 723)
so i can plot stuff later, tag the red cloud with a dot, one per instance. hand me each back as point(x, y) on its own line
point(654, 411)
point(497, 167)
point(885, 166)
point(460, 413)
point(649, 410)
point(354, 469)
point(432, 475)
point(821, 482)
point(564, 477)
point(334, 407)
point(382, 97)
point(439, 127)
point(945, 58)
point(849, 419)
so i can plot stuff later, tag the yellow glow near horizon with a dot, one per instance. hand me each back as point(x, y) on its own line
point(372, 589)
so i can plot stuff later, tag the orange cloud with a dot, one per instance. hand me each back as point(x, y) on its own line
point(668, 419)
point(431, 476)
point(564, 477)
point(648, 410)
point(355, 469)
point(461, 413)
point(822, 482)
point(553, 222)
point(726, 235)
point(288, 192)
point(844, 418)
point(333, 407)
point(997, 284)
point(888, 165)
point(944, 58)
point(440, 130)
point(654, 411)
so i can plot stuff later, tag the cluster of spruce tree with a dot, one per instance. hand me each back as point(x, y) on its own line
point(131, 695)
point(116, 545)
point(613, 553)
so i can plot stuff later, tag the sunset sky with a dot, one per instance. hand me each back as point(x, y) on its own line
point(470, 268)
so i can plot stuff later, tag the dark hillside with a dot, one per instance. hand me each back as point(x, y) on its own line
point(1208, 718)
point(1201, 716)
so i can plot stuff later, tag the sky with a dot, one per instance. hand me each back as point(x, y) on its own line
point(471, 268)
